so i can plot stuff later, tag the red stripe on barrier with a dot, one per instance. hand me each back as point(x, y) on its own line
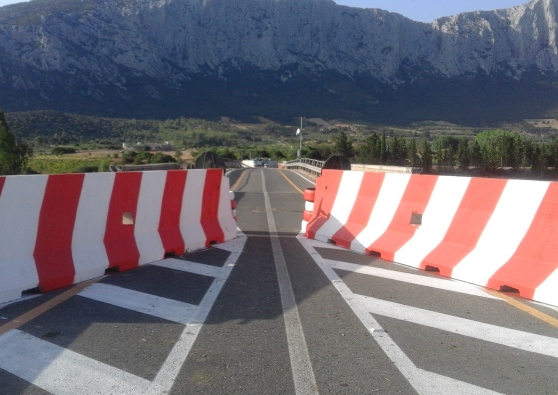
point(169, 224)
point(119, 239)
point(53, 247)
point(536, 258)
point(327, 187)
point(364, 203)
point(474, 212)
point(2, 182)
point(400, 230)
point(210, 207)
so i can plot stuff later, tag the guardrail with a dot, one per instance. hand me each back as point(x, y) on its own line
point(310, 165)
point(315, 167)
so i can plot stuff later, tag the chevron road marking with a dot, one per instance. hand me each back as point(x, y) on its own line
point(168, 309)
point(55, 369)
point(423, 382)
point(432, 282)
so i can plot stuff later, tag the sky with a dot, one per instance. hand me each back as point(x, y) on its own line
point(418, 10)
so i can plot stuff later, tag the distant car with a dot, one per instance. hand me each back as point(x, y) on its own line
point(265, 161)
point(258, 162)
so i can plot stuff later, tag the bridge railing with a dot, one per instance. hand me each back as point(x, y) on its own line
point(315, 167)
point(312, 166)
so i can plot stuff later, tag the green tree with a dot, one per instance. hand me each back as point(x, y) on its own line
point(412, 153)
point(426, 156)
point(13, 156)
point(463, 154)
point(369, 152)
point(500, 148)
point(476, 155)
point(343, 146)
point(398, 152)
point(383, 148)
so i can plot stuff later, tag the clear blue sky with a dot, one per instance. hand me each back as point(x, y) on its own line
point(428, 10)
point(418, 10)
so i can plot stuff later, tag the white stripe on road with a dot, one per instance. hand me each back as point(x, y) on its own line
point(303, 374)
point(169, 371)
point(525, 341)
point(432, 282)
point(60, 371)
point(156, 306)
point(422, 381)
point(190, 267)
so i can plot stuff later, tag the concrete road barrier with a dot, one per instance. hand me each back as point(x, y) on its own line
point(491, 232)
point(57, 230)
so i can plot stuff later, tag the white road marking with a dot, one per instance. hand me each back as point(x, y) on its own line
point(61, 371)
point(55, 369)
point(525, 341)
point(422, 381)
point(171, 368)
point(190, 267)
point(303, 374)
point(432, 282)
point(156, 306)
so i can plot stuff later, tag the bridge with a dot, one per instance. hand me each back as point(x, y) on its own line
point(270, 311)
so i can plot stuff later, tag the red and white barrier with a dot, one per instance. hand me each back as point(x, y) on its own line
point(57, 230)
point(491, 232)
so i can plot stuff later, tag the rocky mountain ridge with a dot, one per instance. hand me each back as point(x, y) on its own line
point(162, 58)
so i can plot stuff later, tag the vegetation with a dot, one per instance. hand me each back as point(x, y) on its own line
point(13, 156)
point(72, 143)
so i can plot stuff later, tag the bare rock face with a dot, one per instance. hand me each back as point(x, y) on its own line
point(87, 55)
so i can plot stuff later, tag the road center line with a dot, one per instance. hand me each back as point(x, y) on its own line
point(292, 183)
point(303, 374)
point(525, 308)
point(37, 311)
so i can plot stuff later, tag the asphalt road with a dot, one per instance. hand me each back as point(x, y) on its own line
point(274, 313)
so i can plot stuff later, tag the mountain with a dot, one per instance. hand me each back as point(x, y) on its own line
point(279, 59)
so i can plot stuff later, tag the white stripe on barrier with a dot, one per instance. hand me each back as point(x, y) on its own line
point(391, 193)
point(88, 250)
point(146, 229)
point(344, 202)
point(437, 218)
point(190, 219)
point(547, 292)
point(504, 231)
point(20, 207)
point(226, 220)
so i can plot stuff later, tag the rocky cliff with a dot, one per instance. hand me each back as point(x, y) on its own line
point(279, 58)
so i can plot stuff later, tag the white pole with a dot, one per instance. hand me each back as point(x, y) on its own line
point(300, 148)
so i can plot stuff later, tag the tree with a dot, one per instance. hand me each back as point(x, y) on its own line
point(369, 152)
point(13, 156)
point(343, 146)
point(463, 154)
point(383, 148)
point(398, 152)
point(412, 151)
point(426, 155)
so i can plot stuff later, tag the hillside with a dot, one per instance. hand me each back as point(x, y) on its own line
point(279, 59)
